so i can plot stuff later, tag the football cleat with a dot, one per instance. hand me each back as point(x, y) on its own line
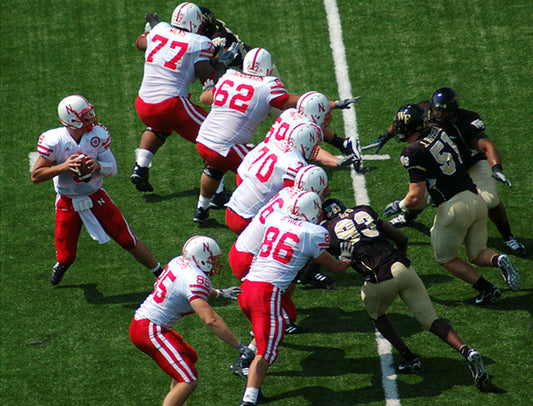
point(57, 273)
point(509, 272)
point(219, 200)
point(241, 367)
point(139, 178)
point(323, 281)
point(410, 367)
point(294, 329)
point(475, 364)
point(200, 215)
point(403, 220)
point(515, 247)
point(247, 404)
point(486, 297)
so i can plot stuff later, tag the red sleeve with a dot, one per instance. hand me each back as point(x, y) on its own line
point(143, 35)
point(278, 102)
point(288, 182)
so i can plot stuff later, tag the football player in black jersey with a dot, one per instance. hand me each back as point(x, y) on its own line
point(434, 163)
point(480, 157)
point(388, 273)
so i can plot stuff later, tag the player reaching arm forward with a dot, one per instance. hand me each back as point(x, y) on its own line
point(182, 289)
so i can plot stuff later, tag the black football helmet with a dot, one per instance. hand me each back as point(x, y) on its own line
point(332, 208)
point(410, 119)
point(444, 105)
point(209, 22)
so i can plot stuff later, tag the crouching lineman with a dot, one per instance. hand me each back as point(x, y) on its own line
point(388, 273)
point(183, 288)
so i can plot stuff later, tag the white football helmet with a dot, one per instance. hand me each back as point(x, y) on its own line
point(188, 17)
point(314, 106)
point(204, 252)
point(312, 178)
point(76, 112)
point(305, 138)
point(258, 62)
point(306, 206)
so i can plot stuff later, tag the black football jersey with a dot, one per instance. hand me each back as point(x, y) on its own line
point(223, 31)
point(465, 132)
point(374, 254)
point(435, 159)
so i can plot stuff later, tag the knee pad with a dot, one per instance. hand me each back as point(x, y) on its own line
point(213, 173)
point(162, 136)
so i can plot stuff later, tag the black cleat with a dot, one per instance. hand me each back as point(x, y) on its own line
point(139, 178)
point(323, 281)
point(57, 273)
point(515, 247)
point(410, 367)
point(247, 404)
point(486, 297)
point(509, 273)
point(219, 200)
point(480, 375)
point(294, 329)
point(200, 215)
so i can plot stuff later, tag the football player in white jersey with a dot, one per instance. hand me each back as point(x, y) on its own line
point(183, 288)
point(267, 169)
point(288, 243)
point(240, 102)
point(175, 56)
point(77, 156)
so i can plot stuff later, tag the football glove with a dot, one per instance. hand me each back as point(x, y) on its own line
point(345, 104)
point(499, 176)
point(208, 85)
point(379, 142)
point(347, 249)
point(219, 42)
point(153, 20)
point(229, 55)
point(229, 293)
point(392, 208)
point(347, 160)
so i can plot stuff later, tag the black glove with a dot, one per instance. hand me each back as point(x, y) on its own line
point(347, 249)
point(499, 176)
point(229, 293)
point(345, 104)
point(379, 142)
point(229, 55)
point(152, 18)
point(392, 208)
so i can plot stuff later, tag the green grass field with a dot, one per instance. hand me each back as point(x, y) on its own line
point(70, 345)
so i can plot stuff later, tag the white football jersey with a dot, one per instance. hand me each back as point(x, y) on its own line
point(252, 236)
point(264, 171)
point(241, 103)
point(286, 247)
point(175, 288)
point(169, 62)
point(57, 145)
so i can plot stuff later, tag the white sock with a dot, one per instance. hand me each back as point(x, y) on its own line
point(251, 395)
point(252, 347)
point(203, 202)
point(144, 157)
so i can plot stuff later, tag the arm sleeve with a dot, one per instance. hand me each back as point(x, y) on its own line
point(108, 163)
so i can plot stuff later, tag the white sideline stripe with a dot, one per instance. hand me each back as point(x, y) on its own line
point(359, 185)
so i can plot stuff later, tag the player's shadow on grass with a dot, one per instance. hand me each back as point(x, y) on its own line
point(156, 198)
point(129, 300)
point(440, 375)
point(330, 320)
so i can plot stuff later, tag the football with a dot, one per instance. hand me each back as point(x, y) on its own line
point(84, 173)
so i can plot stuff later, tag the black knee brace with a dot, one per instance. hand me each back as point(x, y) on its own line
point(213, 173)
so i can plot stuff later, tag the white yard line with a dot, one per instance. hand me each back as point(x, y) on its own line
point(359, 185)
